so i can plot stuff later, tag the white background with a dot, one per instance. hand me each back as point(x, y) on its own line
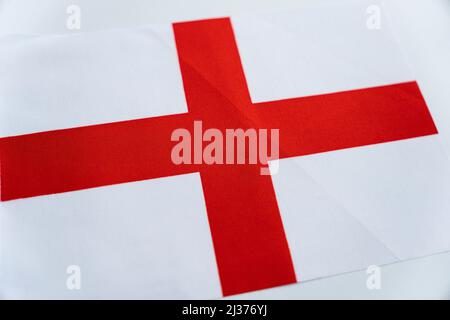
point(423, 29)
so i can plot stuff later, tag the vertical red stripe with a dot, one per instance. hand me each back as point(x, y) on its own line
point(249, 241)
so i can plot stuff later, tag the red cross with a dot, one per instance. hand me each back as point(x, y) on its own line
point(249, 241)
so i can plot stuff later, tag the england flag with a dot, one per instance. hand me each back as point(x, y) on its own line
point(90, 186)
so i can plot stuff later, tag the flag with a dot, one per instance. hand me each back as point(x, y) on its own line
point(89, 186)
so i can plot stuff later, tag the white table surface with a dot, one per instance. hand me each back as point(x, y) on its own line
point(423, 29)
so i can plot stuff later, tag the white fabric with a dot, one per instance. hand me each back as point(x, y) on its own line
point(373, 205)
point(323, 49)
point(147, 239)
point(90, 78)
